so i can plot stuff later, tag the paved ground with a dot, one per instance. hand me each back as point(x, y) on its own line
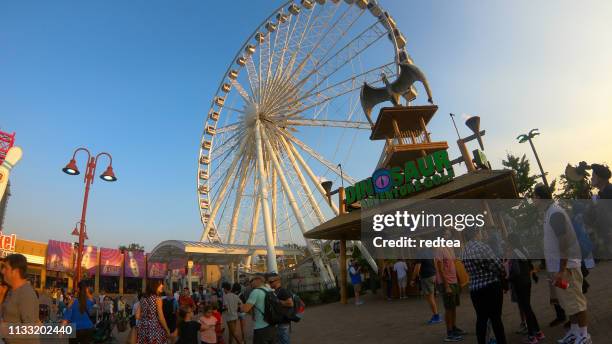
point(395, 322)
point(380, 321)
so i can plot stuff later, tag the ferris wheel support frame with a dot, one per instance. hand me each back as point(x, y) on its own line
point(234, 224)
point(366, 255)
point(263, 194)
point(296, 210)
point(254, 224)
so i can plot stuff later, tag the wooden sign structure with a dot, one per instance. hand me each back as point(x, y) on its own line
point(405, 130)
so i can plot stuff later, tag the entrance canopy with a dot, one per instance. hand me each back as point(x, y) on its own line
point(211, 253)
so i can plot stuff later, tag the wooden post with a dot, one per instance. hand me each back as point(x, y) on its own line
point(424, 127)
point(398, 134)
point(467, 158)
point(343, 273)
point(341, 205)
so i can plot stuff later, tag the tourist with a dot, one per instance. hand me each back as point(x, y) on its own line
point(170, 308)
point(486, 276)
point(387, 276)
point(425, 269)
point(563, 259)
point(19, 304)
point(185, 299)
point(187, 329)
point(152, 326)
point(263, 333)
point(133, 320)
point(355, 274)
point(231, 306)
point(600, 179)
point(286, 299)
point(219, 329)
point(448, 287)
point(208, 326)
point(401, 269)
point(107, 309)
point(78, 315)
point(121, 306)
point(240, 291)
point(520, 272)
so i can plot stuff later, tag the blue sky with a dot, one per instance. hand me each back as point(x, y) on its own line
point(135, 78)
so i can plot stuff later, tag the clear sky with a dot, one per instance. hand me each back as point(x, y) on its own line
point(135, 78)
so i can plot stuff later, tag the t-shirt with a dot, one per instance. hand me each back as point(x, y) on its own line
point(231, 302)
point(188, 332)
point(283, 295)
point(21, 307)
point(355, 276)
point(401, 269)
point(207, 333)
point(447, 257)
point(80, 320)
point(428, 268)
point(606, 193)
point(257, 298)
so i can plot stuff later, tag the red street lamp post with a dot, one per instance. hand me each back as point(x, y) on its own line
point(108, 175)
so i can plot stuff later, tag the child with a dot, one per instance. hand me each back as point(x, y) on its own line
point(187, 328)
point(219, 329)
point(208, 323)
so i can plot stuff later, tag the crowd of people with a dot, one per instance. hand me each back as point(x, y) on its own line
point(493, 266)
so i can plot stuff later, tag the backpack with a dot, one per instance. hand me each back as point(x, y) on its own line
point(296, 313)
point(273, 312)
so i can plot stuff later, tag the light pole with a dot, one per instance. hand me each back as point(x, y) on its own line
point(528, 137)
point(108, 175)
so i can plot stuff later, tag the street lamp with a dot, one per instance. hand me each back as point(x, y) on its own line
point(108, 175)
point(528, 137)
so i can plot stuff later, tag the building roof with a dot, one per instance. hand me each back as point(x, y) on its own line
point(483, 184)
point(211, 253)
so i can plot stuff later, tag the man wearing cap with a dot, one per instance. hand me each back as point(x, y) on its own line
point(599, 214)
point(286, 299)
point(263, 333)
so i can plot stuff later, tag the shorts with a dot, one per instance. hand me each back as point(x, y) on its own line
point(572, 299)
point(402, 282)
point(266, 335)
point(452, 300)
point(428, 285)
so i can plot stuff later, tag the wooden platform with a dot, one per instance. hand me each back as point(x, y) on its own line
point(397, 155)
point(407, 118)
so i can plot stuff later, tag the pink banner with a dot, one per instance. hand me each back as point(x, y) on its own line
point(157, 270)
point(59, 256)
point(90, 260)
point(197, 271)
point(110, 262)
point(134, 264)
point(178, 267)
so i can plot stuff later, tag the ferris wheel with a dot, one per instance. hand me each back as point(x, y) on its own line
point(286, 112)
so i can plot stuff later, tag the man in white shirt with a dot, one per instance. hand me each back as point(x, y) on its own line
point(563, 257)
point(401, 269)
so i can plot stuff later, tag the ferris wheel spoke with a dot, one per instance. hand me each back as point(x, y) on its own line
point(320, 158)
point(253, 77)
point(243, 93)
point(336, 33)
point(328, 123)
point(237, 202)
point(229, 128)
point(342, 87)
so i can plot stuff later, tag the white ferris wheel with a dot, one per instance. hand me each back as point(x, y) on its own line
point(289, 96)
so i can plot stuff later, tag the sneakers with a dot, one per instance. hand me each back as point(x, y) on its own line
point(584, 340)
point(569, 338)
point(531, 340)
point(540, 335)
point(435, 319)
point(453, 338)
point(522, 329)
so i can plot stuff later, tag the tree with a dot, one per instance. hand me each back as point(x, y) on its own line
point(132, 247)
point(521, 168)
point(575, 189)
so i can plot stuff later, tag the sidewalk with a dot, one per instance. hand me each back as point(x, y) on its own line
point(404, 321)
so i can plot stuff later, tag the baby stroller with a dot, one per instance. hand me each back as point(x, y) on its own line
point(103, 332)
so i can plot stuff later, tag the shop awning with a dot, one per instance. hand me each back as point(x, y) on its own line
point(210, 253)
point(483, 184)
